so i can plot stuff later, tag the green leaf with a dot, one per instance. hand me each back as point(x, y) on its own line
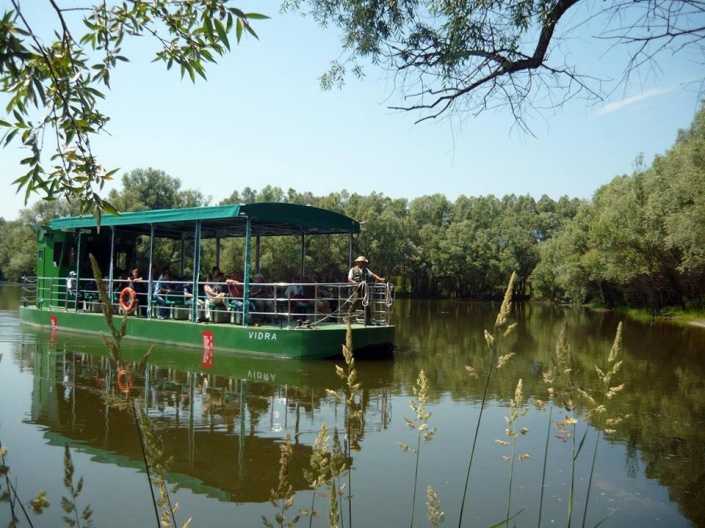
point(207, 55)
point(238, 29)
point(39, 87)
point(251, 31)
point(208, 27)
point(10, 136)
point(256, 16)
point(222, 33)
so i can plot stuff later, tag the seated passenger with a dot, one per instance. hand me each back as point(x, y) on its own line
point(161, 288)
point(262, 295)
point(215, 287)
point(325, 292)
point(187, 288)
point(235, 300)
point(295, 293)
point(235, 287)
point(313, 295)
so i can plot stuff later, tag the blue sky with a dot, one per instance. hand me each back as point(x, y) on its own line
point(262, 119)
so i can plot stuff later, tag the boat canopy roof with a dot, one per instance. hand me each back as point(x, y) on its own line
point(267, 219)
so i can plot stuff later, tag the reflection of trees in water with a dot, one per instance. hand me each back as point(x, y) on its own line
point(668, 423)
point(631, 463)
point(663, 372)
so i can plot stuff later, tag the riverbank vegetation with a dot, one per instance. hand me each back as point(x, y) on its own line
point(636, 244)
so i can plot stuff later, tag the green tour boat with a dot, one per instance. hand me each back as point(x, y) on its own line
point(306, 320)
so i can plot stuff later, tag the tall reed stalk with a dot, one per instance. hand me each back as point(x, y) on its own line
point(517, 409)
point(282, 497)
point(423, 433)
point(328, 469)
point(152, 455)
point(73, 518)
point(562, 391)
point(320, 468)
point(502, 328)
point(599, 409)
point(353, 408)
point(540, 404)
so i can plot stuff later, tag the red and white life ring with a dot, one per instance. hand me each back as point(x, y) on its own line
point(123, 381)
point(128, 300)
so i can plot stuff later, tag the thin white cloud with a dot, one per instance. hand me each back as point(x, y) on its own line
point(618, 105)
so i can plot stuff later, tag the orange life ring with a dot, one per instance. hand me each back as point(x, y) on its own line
point(123, 381)
point(128, 300)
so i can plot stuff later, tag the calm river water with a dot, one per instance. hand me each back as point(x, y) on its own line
point(223, 426)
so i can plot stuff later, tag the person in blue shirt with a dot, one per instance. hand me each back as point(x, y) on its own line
point(161, 289)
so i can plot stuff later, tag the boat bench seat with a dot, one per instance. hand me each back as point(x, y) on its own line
point(219, 313)
point(173, 302)
point(181, 312)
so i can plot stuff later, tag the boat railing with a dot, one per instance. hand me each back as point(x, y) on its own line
point(50, 293)
point(319, 303)
point(329, 302)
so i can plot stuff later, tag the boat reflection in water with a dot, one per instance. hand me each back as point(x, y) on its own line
point(221, 418)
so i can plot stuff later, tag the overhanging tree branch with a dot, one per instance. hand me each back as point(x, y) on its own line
point(56, 86)
point(465, 56)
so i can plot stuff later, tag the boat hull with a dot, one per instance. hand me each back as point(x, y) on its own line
point(321, 341)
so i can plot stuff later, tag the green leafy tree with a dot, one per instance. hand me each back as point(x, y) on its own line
point(639, 241)
point(55, 82)
point(18, 238)
point(430, 217)
point(482, 224)
point(680, 176)
point(563, 273)
point(149, 189)
point(471, 55)
point(17, 250)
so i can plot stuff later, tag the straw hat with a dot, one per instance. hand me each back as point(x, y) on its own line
point(361, 259)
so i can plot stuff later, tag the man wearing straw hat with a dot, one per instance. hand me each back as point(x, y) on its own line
point(360, 273)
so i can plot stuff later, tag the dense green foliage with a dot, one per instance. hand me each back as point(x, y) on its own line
point(640, 241)
point(637, 243)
